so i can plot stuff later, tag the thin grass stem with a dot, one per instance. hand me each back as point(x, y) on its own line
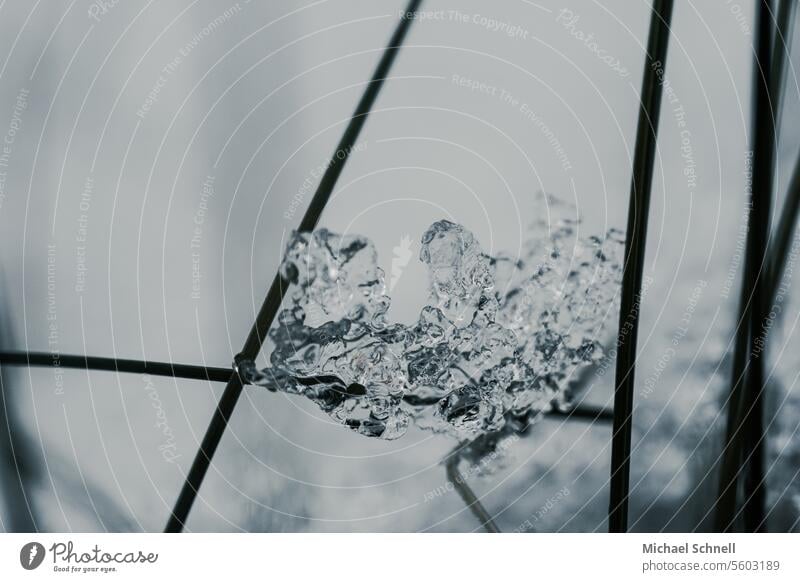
point(468, 495)
point(55, 360)
point(635, 240)
point(745, 426)
point(272, 303)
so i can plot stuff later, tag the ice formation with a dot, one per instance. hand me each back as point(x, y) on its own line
point(493, 347)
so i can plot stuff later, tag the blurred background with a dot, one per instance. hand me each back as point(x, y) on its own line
point(157, 155)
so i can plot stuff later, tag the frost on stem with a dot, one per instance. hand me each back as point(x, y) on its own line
point(492, 349)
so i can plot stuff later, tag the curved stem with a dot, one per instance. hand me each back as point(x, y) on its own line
point(467, 494)
point(745, 425)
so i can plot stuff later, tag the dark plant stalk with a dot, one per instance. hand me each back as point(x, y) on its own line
point(467, 495)
point(745, 428)
point(170, 369)
point(272, 303)
point(754, 510)
point(635, 240)
point(192, 372)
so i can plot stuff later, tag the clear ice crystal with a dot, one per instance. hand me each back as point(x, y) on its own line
point(495, 345)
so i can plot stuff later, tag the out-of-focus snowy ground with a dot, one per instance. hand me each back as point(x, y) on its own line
point(178, 207)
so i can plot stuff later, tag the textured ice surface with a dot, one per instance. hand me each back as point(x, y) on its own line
point(495, 345)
